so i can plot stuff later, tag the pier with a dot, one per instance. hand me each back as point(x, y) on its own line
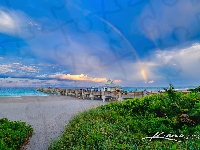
point(116, 95)
point(108, 91)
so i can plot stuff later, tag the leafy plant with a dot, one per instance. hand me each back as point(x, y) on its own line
point(195, 89)
point(13, 134)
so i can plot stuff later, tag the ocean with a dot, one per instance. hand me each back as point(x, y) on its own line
point(182, 88)
point(18, 92)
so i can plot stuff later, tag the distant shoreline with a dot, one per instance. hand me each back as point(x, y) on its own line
point(17, 92)
point(180, 86)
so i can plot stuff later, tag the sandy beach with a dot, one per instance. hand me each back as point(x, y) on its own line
point(47, 114)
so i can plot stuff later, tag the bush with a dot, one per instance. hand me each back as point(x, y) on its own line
point(123, 125)
point(13, 134)
point(195, 89)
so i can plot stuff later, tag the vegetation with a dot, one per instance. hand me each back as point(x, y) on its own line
point(125, 125)
point(195, 89)
point(13, 134)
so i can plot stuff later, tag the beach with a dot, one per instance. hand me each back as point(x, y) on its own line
point(47, 114)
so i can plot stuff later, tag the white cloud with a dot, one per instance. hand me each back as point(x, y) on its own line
point(183, 61)
point(16, 67)
point(6, 68)
point(16, 20)
point(151, 81)
point(80, 77)
point(28, 68)
point(7, 23)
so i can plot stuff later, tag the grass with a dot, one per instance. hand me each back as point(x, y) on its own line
point(122, 125)
point(13, 134)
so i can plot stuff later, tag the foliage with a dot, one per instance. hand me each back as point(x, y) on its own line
point(195, 89)
point(13, 134)
point(122, 125)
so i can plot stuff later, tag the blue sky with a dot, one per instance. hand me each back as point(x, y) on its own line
point(85, 43)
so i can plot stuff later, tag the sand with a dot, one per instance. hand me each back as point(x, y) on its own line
point(47, 114)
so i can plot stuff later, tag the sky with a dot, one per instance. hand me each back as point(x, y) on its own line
point(86, 42)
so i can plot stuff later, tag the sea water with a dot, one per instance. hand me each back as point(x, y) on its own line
point(18, 92)
point(156, 89)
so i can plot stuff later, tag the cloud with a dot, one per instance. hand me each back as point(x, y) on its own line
point(16, 68)
point(176, 63)
point(17, 23)
point(178, 21)
point(179, 64)
point(80, 77)
point(6, 68)
point(80, 57)
point(28, 68)
point(94, 54)
point(151, 81)
point(25, 82)
point(89, 53)
point(7, 23)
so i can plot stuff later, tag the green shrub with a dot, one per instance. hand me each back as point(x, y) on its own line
point(123, 125)
point(13, 134)
point(195, 89)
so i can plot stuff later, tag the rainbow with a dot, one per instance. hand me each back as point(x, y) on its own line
point(144, 74)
